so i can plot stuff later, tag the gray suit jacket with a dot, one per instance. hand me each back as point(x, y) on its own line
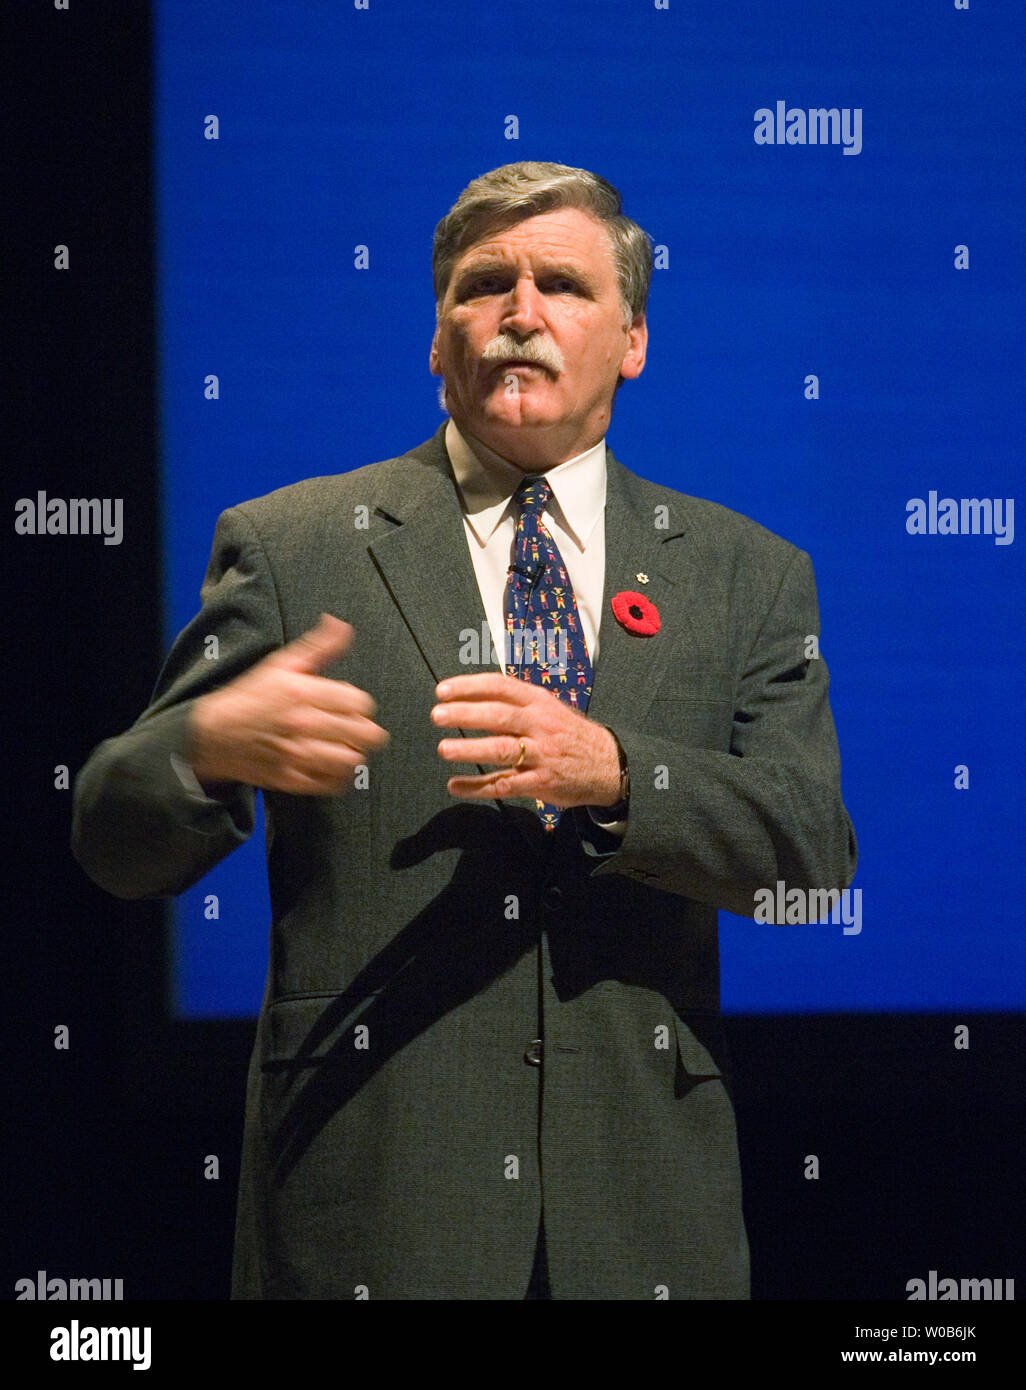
point(397, 1138)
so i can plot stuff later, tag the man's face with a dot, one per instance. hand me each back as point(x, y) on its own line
point(544, 288)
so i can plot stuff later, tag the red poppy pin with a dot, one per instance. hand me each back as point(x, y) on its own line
point(636, 613)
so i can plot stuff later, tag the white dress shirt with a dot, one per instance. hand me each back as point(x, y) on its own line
point(574, 517)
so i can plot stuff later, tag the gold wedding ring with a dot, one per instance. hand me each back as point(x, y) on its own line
point(522, 754)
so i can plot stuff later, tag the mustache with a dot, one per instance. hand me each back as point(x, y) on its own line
point(540, 351)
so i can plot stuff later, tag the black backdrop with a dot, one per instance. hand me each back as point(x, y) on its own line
point(920, 1145)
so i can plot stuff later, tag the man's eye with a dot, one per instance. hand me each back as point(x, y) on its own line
point(497, 284)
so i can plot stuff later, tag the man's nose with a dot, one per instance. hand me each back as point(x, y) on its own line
point(522, 311)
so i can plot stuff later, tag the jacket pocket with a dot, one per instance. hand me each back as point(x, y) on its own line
point(696, 723)
point(304, 1030)
point(695, 706)
point(708, 684)
point(699, 1042)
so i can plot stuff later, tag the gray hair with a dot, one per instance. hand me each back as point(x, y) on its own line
point(514, 192)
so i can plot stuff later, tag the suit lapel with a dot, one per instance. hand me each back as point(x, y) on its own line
point(631, 668)
point(425, 562)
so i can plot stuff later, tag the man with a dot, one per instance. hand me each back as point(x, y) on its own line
point(489, 1061)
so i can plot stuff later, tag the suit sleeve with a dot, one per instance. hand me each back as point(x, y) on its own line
point(142, 827)
point(718, 826)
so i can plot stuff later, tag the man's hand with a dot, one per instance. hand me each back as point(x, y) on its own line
point(284, 727)
point(568, 759)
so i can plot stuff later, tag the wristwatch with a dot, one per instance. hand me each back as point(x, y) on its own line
point(619, 811)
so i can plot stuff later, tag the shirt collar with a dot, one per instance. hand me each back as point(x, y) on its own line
point(487, 483)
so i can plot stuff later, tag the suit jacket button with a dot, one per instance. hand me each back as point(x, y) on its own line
point(533, 1055)
point(553, 898)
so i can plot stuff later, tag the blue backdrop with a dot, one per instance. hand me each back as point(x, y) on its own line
point(340, 127)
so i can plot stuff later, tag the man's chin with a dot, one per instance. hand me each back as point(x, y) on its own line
point(530, 406)
point(522, 417)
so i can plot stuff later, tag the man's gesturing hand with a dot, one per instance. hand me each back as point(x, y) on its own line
point(568, 759)
point(282, 726)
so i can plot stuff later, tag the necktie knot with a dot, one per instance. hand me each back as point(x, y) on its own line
point(533, 494)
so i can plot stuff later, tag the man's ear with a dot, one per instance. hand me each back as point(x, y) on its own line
point(434, 364)
point(634, 359)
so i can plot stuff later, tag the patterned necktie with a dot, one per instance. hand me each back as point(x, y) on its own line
point(545, 642)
